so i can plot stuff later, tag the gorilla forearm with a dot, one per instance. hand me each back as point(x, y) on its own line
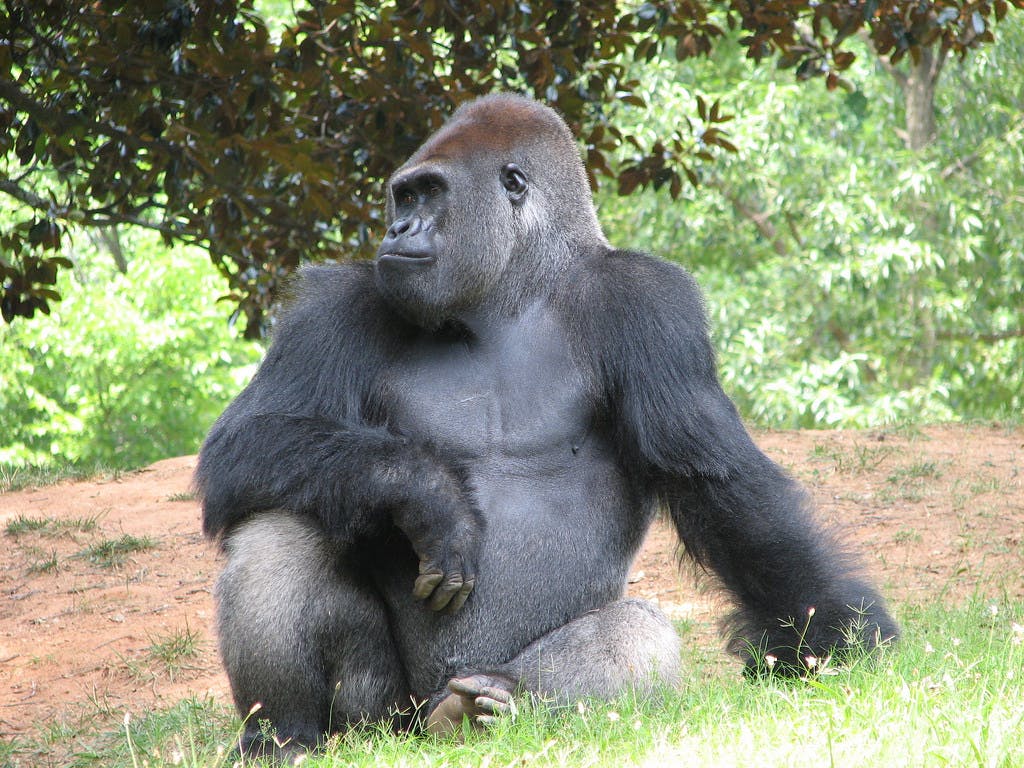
point(354, 480)
point(799, 595)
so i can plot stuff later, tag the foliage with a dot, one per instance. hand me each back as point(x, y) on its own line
point(851, 281)
point(140, 375)
point(191, 119)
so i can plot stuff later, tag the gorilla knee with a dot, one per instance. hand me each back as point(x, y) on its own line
point(300, 635)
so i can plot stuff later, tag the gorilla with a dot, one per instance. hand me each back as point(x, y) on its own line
point(431, 492)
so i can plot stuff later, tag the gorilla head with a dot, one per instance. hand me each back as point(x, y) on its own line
point(485, 213)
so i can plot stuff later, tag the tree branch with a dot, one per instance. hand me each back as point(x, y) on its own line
point(758, 218)
point(899, 76)
point(90, 218)
point(59, 121)
point(30, 199)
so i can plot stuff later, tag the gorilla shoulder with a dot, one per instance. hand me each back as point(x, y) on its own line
point(331, 306)
point(636, 294)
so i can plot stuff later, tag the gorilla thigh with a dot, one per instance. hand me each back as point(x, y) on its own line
point(301, 635)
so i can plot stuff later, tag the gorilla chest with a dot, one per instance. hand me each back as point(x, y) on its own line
point(517, 395)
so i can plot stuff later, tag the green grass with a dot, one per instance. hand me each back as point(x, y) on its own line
point(17, 477)
point(176, 650)
point(167, 656)
point(22, 526)
point(950, 694)
point(111, 553)
point(41, 561)
point(856, 459)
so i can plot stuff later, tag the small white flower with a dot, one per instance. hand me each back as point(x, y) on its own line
point(1018, 633)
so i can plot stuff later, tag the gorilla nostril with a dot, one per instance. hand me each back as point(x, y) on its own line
point(408, 227)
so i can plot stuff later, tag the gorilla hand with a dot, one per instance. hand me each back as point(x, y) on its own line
point(443, 588)
point(446, 541)
point(481, 699)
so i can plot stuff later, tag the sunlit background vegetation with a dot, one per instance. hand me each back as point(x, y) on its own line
point(850, 281)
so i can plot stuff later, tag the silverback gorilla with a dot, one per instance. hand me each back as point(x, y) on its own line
point(431, 492)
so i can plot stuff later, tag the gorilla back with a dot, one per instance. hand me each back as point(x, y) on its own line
point(432, 490)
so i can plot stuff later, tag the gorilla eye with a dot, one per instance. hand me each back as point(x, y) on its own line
point(514, 181)
point(405, 196)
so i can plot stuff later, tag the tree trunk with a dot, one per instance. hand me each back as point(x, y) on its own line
point(919, 98)
point(918, 87)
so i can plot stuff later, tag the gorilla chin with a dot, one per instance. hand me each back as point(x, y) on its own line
point(421, 526)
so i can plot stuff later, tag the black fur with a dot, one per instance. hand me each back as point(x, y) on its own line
point(431, 492)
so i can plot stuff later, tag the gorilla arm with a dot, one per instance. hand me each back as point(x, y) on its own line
point(296, 439)
point(799, 595)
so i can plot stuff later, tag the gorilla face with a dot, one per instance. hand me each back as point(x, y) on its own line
point(485, 214)
point(452, 234)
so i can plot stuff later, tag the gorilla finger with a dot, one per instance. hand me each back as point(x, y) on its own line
point(448, 589)
point(426, 583)
point(460, 597)
point(492, 706)
point(501, 699)
point(481, 685)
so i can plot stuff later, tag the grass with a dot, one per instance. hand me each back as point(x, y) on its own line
point(111, 553)
point(17, 477)
point(949, 694)
point(22, 525)
point(855, 460)
point(175, 651)
point(41, 561)
point(167, 655)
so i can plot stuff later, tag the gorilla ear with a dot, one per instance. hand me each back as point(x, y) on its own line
point(514, 181)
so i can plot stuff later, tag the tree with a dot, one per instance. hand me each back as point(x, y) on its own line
point(189, 119)
point(858, 282)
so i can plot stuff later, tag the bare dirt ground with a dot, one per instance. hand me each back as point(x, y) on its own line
point(105, 601)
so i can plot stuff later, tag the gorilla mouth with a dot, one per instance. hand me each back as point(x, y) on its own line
point(406, 258)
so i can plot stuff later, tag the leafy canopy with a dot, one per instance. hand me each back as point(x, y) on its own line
point(191, 119)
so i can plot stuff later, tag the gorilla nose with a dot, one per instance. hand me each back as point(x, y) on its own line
point(408, 239)
point(407, 227)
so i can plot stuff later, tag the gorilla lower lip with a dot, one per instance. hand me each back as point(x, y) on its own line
point(406, 258)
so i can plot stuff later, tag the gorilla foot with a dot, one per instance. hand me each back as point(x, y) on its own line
point(480, 698)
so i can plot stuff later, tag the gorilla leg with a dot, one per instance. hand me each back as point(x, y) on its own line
point(301, 636)
point(627, 645)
